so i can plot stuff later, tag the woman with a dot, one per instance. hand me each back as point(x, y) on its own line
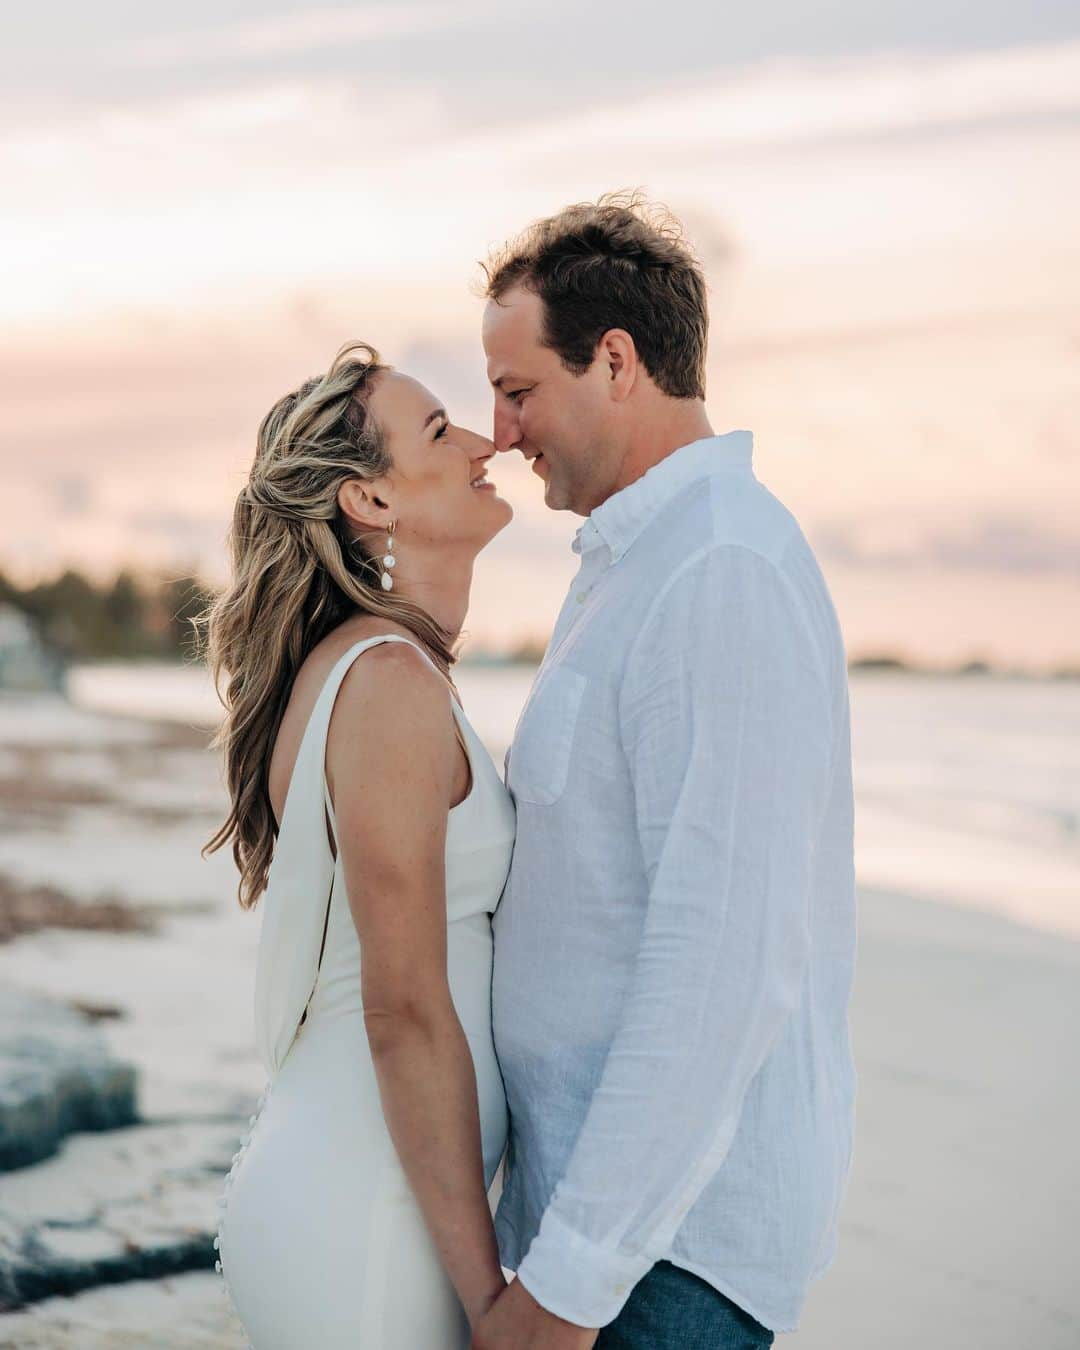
point(366, 809)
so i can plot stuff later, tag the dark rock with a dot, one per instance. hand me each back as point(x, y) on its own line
point(57, 1076)
point(130, 1204)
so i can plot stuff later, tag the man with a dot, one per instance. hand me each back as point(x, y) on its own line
point(675, 947)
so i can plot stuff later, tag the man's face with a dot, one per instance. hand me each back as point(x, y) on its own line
point(565, 424)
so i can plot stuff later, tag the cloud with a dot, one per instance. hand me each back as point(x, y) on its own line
point(290, 34)
point(195, 197)
point(994, 544)
point(804, 101)
point(73, 495)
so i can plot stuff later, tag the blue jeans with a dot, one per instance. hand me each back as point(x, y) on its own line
point(670, 1309)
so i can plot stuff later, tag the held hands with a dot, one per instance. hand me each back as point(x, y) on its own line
point(515, 1321)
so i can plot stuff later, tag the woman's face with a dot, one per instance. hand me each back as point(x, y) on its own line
point(437, 489)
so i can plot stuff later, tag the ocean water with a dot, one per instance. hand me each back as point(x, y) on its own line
point(967, 788)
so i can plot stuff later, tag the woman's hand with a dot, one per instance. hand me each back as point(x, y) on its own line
point(477, 1308)
point(517, 1322)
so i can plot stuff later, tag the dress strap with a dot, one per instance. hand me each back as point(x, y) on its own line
point(335, 679)
point(295, 903)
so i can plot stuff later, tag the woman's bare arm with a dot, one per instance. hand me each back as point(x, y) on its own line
point(391, 756)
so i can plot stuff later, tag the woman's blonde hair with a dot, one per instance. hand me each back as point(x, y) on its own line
point(297, 573)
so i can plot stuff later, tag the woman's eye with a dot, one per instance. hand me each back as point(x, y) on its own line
point(441, 431)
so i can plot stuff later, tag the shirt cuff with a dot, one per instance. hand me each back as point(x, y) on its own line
point(574, 1278)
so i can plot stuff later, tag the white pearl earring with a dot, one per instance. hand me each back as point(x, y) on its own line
point(389, 562)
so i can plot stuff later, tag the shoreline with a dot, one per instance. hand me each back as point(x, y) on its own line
point(969, 1077)
point(939, 815)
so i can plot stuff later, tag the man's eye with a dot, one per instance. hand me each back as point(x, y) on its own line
point(516, 395)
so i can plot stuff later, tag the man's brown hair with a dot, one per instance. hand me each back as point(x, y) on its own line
point(619, 262)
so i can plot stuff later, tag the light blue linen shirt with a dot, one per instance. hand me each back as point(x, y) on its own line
point(675, 946)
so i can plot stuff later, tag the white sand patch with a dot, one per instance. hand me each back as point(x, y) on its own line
point(184, 1312)
point(958, 1226)
point(104, 851)
point(168, 692)
point(50, 720)
point(188, 781)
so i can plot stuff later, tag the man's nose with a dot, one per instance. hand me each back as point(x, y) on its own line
point(507, 429)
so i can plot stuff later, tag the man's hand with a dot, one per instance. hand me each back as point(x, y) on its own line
point(515, 1321)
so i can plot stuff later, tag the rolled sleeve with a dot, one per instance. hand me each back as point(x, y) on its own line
point(724, 720)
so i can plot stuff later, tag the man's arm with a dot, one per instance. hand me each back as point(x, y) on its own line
point(726, 724)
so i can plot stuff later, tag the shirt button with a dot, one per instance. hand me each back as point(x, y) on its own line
point(581, 597)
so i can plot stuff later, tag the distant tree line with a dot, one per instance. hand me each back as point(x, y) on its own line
point(122, 619)
point(136, 616)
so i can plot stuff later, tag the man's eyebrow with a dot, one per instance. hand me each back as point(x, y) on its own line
point(509, 377)
point(439, 412)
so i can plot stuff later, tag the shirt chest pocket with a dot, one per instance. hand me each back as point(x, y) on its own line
point(544, 739)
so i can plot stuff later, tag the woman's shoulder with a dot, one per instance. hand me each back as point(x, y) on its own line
point(391, 680)
point(391, 718)
point(391, 684)
point(405, 658)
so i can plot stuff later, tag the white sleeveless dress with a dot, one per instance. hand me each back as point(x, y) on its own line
point(321, 1243)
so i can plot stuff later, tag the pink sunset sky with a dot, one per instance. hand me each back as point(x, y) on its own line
point(886, 199)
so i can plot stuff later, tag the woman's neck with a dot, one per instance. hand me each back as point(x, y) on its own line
point(440, 586)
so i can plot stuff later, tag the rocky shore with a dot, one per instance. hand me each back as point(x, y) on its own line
point(126, 1067)
point(92, 1194)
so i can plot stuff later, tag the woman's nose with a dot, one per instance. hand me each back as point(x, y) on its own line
point(476, 446)
point(481, 452)
point(507, 430)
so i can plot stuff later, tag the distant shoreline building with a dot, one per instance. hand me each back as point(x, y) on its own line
point(26, 663)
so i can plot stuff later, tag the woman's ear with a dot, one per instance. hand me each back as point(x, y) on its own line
point(363, 507)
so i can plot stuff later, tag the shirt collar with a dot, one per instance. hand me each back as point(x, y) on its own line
point(618, 521)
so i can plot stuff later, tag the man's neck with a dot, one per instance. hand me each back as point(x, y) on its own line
point(655, 439)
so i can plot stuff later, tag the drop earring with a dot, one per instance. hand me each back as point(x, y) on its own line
point(389, 562)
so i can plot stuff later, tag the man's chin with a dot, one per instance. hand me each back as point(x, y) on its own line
point(554, 495)
point(556, 499)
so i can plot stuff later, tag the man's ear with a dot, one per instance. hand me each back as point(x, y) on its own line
point(362, 506)
point(619, 354)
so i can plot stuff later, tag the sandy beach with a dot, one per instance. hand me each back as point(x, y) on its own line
point(957, 1230)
